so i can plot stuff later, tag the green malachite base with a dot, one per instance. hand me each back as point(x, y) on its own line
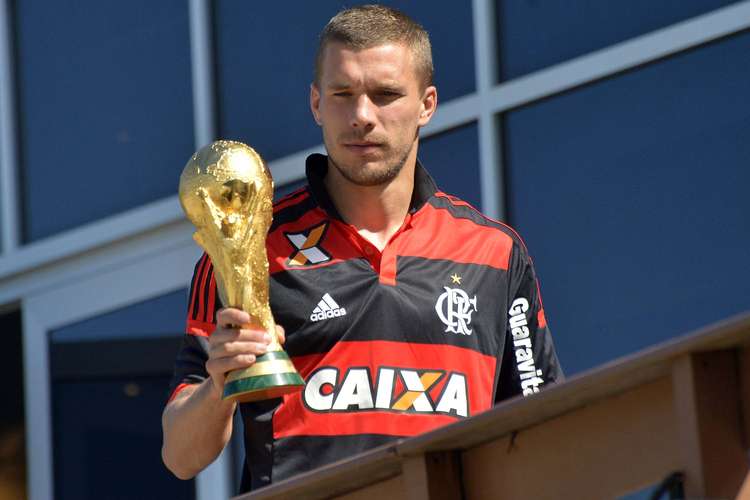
point(264, 386)
point(270, 355)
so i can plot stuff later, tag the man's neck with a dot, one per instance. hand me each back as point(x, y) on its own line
point(377, 212)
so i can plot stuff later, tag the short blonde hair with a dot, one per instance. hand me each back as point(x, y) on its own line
point(368, 26)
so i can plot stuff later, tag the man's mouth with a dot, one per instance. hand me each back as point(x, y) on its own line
point(363, 147)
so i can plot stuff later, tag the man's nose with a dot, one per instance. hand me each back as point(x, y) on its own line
point(363, 112)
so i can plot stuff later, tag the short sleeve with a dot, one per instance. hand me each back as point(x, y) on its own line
point(528, 361)
point(203, 302)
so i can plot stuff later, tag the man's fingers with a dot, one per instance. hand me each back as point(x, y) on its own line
point(229, 317)
point(222, 335)
point(220, 366)
point(228, 329)
point(239, 348)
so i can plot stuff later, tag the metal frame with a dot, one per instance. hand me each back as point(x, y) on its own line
point(621, 57)
point(9, 219)
point(69, 277)
point(202, 64)
point(57, 306)
point(213, 483)
point(485, 62)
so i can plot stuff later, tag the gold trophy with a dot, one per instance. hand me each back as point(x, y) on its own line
point(226, 191)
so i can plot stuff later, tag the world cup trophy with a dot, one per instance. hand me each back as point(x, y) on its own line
point(226, 191)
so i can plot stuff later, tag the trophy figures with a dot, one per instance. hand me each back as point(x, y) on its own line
point(226, 191)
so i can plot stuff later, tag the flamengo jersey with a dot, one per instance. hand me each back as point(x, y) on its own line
point(442, 324)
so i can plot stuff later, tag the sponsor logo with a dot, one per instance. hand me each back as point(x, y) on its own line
point(307, 246)
point(327, 391)
point(454, 308)
point(327, 308)
point(530, 376)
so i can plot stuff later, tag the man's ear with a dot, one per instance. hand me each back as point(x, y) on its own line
point(315, 102)
point(429, 105)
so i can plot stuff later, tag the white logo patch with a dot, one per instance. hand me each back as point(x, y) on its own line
point(327, 308)
point(366, 389)
point(454, 308)
point(307, 246)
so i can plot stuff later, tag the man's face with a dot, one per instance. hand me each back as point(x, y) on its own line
point(370, 105)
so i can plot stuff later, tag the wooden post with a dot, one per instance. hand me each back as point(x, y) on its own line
point(709, 422)
point(433, 476)
point(744, 363)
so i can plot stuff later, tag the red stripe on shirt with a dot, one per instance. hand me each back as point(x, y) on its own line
point(442, 236)
point(387, 263)
point(199, 328)
point(211, 312)
point(460, 203)
point(295, 418)
point(202, 293)
point(291, 199)
point(541, 319)
point(195, 285)
point(176, 391)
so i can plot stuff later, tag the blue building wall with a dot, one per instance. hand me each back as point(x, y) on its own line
point(629, 191)
point(631, 195)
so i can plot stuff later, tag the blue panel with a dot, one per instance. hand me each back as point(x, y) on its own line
point(107, 440)
point(632, 194)
point(265, 53)
point(159, 317)
point(452, 158)
point(105, 105)
point(536, 34)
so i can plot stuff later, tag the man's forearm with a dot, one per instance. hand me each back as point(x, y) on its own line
point(196, 425)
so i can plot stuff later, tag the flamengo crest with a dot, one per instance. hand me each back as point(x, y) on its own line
point(454, 308)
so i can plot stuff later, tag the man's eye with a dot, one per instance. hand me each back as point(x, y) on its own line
point(388, 95)
point(342, 93)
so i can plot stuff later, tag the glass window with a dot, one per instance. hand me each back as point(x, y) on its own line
point(106, 437)
point(265, 55)
point(105, 102)
point(535, 34)
point(452, 158)
point(632, 195)
point(121, 361)
point(158, 317)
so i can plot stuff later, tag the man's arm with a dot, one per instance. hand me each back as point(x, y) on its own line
point(196, 426)
point(197, 423)
point(528, 361)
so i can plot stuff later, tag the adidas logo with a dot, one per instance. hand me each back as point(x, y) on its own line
point(327, 308)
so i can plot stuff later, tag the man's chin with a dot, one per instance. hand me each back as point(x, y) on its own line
point(367, 174)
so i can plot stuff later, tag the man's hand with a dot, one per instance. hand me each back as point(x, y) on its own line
point(197, 423)
point(232, 347)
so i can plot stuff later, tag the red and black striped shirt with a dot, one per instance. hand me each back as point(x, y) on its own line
point(440, 325)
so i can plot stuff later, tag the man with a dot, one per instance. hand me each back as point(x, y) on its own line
point(405, 309)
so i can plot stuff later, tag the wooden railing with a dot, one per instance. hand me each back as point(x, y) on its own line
point(682, 406)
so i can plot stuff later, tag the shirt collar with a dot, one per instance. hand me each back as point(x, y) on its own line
point(316, 168)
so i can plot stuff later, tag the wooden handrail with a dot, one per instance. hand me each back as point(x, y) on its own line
point(624, 375)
